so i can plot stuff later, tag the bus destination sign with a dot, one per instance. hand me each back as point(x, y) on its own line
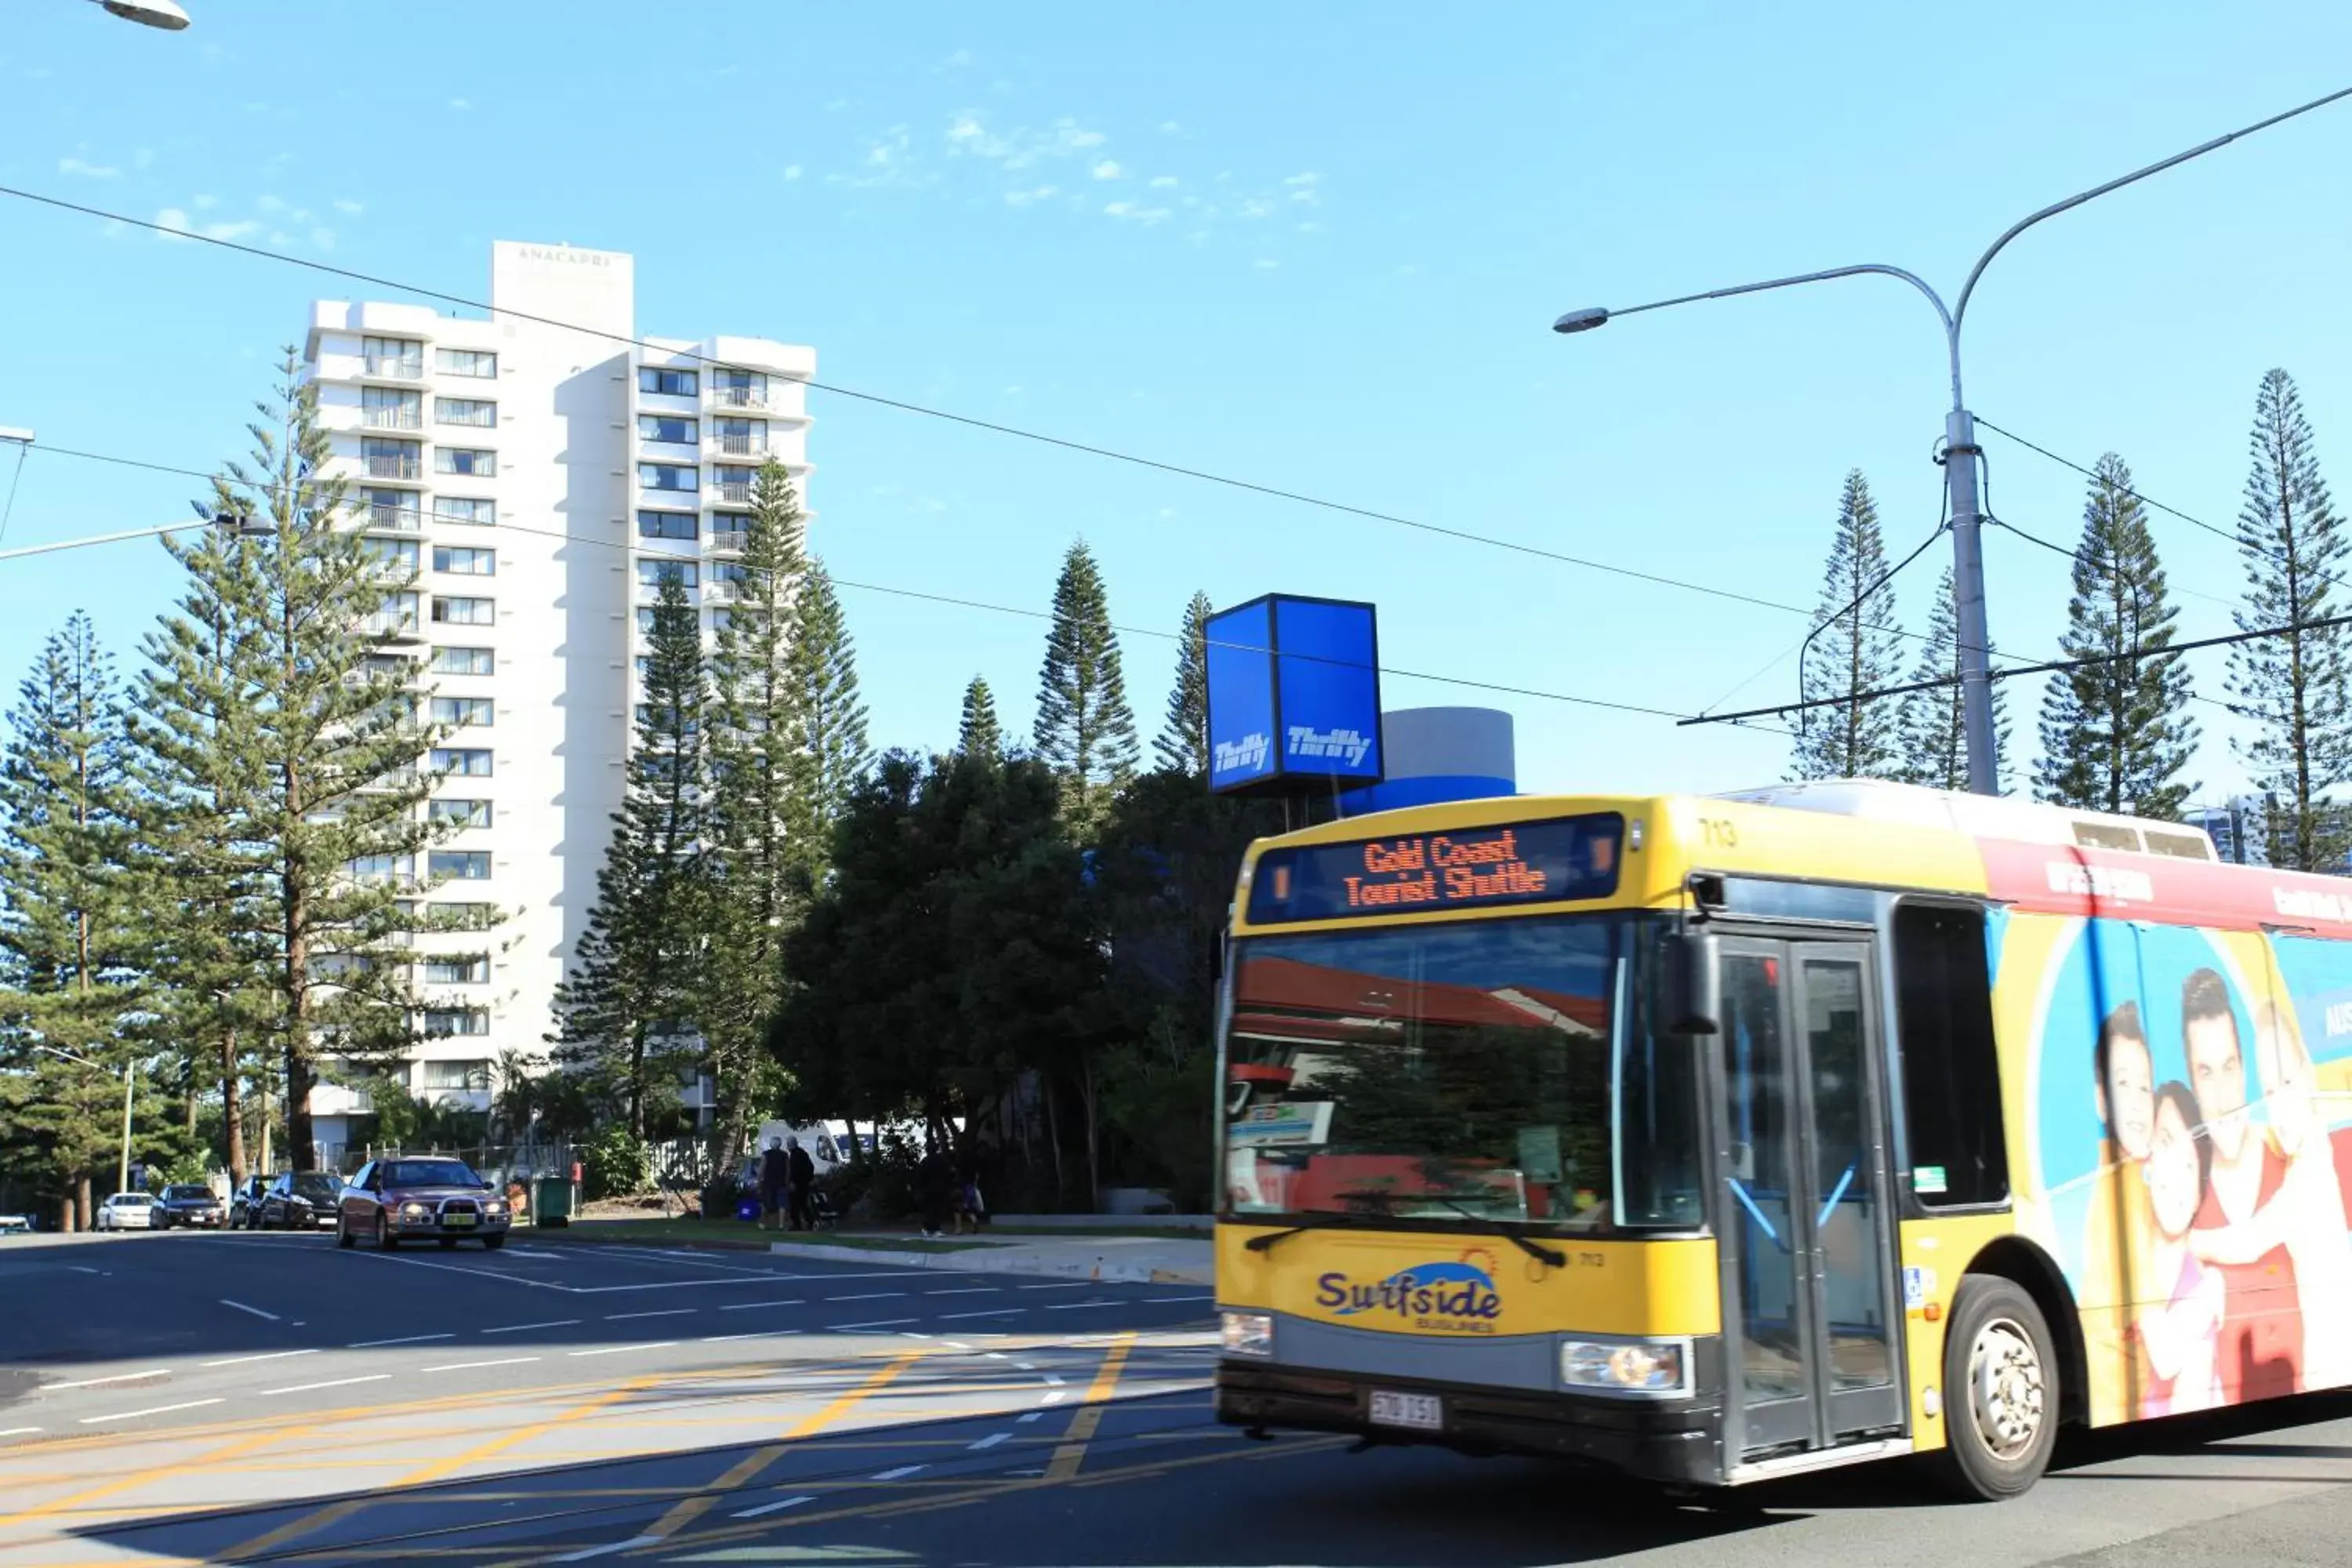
point(1422, 873)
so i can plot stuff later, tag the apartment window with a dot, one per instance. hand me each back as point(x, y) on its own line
point(463, 561)
point(464, 969)
point(675, 429)
point(383, 868)
point(383, 458)
point(663, 382)
point(665, 525)
point(478, 411)
point(462, 813)
point(654, 573)
point(464, 917)
point(389, 409)
point(465, 661)
point(465, 361)
point(468, 761)
point(471, 512)
point(455, 1075)
point(732, 481)
point(747, 437)
point(440, 1021)
point(393, 356)
point(398, 615)
point(645, 614)
point(731, 522)
point(385, 666)
point(459, 865)
point(645, 665)
point(474, 711)
point(464, 612)
point(739, 388)
point(397, 557)
point(669, 477)
point(470, 461)
point(394, 509)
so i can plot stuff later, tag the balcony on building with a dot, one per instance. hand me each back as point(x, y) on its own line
point(390, 511)
point(384, 459)
point(401, 411)
point(729, 541)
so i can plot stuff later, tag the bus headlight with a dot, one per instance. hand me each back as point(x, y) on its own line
point(1626, 1366)
point(1248, 1333)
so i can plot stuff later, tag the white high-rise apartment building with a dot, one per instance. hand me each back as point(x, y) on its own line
point(537, 479)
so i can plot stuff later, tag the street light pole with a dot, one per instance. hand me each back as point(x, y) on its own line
point(1960, 453)
point(130, 1071)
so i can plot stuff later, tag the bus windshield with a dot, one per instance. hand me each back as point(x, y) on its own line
point(1495, 1070)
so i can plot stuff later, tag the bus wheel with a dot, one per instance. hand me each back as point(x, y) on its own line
point(2001, 1390)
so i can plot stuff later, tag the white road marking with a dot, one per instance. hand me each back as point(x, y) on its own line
point(870, 1295)
point(17, 1431)
point(883, 1323)
point(411, 1340)
point(968, 1291)
point(1026, 1365)
point(1000, 1312)
point(664, 1312)
point(754, 1334)
point(1074, 1285)
point(997, 1356)
point(526, 1252)
point(155, 1410)
point(471, 1365)
point(338, 1383)
point(525, 1327)
point(1052, 1381)
point(78, 1268)
point(1076, 1306)
point(607, 1551)
point(991, 1440)
point(117, 1377)
point(1159, 1300)
point(508, 1274)
point(894, 1474)
point(771, 1507)
point(255, 1310)
point(616, 1350)
point(958, 1344)
point(1034, 1415)
point(266, 1355)
point(747, 1306)
point(913, 1335)
point(1053, 1398)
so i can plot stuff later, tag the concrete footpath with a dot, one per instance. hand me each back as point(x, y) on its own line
point(1132, 1259)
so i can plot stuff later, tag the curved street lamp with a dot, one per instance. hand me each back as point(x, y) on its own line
point(1960, 428)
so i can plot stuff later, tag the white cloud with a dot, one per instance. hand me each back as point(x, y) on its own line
point(461, 104)
point(1107, 169)
point(204, 202)
point(1305, 197)
point(1169, 128)
point(1255, 206)
point(1034, 194)
point(348, 208)
point(792, 171)
point(1130, 212)
point(1311, 228)
point(1166, 512)
point(1019, 148)
point(88, 170)
point(1163, 183)
point(1264, 265)
point(1310, 178)
point(324, 238)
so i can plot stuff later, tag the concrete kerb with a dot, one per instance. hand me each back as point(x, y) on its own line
point(1191, 1264)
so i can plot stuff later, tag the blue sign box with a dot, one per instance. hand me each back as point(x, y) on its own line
point(1294, 695)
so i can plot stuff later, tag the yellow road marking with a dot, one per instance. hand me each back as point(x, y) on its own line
point(151, 1474)
point(1072, 1451)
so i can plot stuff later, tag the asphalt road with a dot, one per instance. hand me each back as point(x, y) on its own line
point(188, 1398)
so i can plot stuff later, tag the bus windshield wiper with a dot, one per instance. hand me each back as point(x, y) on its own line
point(1267, 1242)
point(1487, 1222)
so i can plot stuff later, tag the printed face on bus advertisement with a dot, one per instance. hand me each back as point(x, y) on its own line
point(2217, 1061)
point(2126, 1089)
point(2285, 1066)
point(2176, 1166)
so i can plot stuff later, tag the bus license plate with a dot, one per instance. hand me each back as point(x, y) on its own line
point(1422, 1411)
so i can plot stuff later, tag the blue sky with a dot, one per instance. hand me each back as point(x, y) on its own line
point(1315, 252)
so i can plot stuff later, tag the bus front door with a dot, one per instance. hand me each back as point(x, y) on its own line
point(1809, 1283)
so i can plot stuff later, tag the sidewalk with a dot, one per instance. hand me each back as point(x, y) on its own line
point(1132, 1259)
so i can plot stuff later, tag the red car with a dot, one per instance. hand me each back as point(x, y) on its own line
point(415, 1199)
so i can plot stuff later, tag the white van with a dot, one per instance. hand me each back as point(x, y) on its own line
point(826, 1148)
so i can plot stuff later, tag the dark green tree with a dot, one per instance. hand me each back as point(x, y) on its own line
point(978, 734)
point(263, 703)
point(1934, 730)
point(2115, 735)
point(1183, 746)
point(2293, 687)
point(757, 878)
point(830, 719)
point(1085, 731)
point(637, 975)
point(1858, 648)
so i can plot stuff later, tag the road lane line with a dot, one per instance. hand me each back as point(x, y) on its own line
point(616, 1350)
point(869, 1296)
point(747, 1306)
point(903, 1471)
point(266, 1355)
point(525, 1327)
point(1074, 1285)
point(991, 1440)
point(754, 1334)
point(255, 1310)
point(1000, 1312)
point(1053, 1381)
point(1076, 1306)
point(16, 1431)
point(1159, 1300)
point(117, 1377)
point(881, 1323)
point(153, 1410)
point(338, 1383)
point(1072, 1451)
point(968, 1291)
point(664, 1312)
point(473, 1365)
point(772, 1507)
point(1032, 1415)
point(1055, 1398)
point(410, 1339)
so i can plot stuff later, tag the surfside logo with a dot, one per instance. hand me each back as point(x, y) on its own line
point(1244, 756)
point(1448, 1298)
point(1347, 746)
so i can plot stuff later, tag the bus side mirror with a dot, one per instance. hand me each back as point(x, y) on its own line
point(1694, 983)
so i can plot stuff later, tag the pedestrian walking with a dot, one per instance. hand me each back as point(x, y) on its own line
point(935, 1188)
point(800, 1170)
point(775, 1175)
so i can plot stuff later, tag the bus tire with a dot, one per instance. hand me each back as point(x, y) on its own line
point(2001, 1390)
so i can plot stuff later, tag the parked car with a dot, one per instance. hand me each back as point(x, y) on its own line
point(189, 1204)
point(245, 1204)
point(15, 1225)
point(300, 1200)
point(392, 1200)
point(127, 1211)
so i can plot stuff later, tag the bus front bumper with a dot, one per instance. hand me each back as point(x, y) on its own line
point(1676, 1445)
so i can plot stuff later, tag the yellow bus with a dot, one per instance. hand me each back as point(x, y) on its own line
point(1707, 1140)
